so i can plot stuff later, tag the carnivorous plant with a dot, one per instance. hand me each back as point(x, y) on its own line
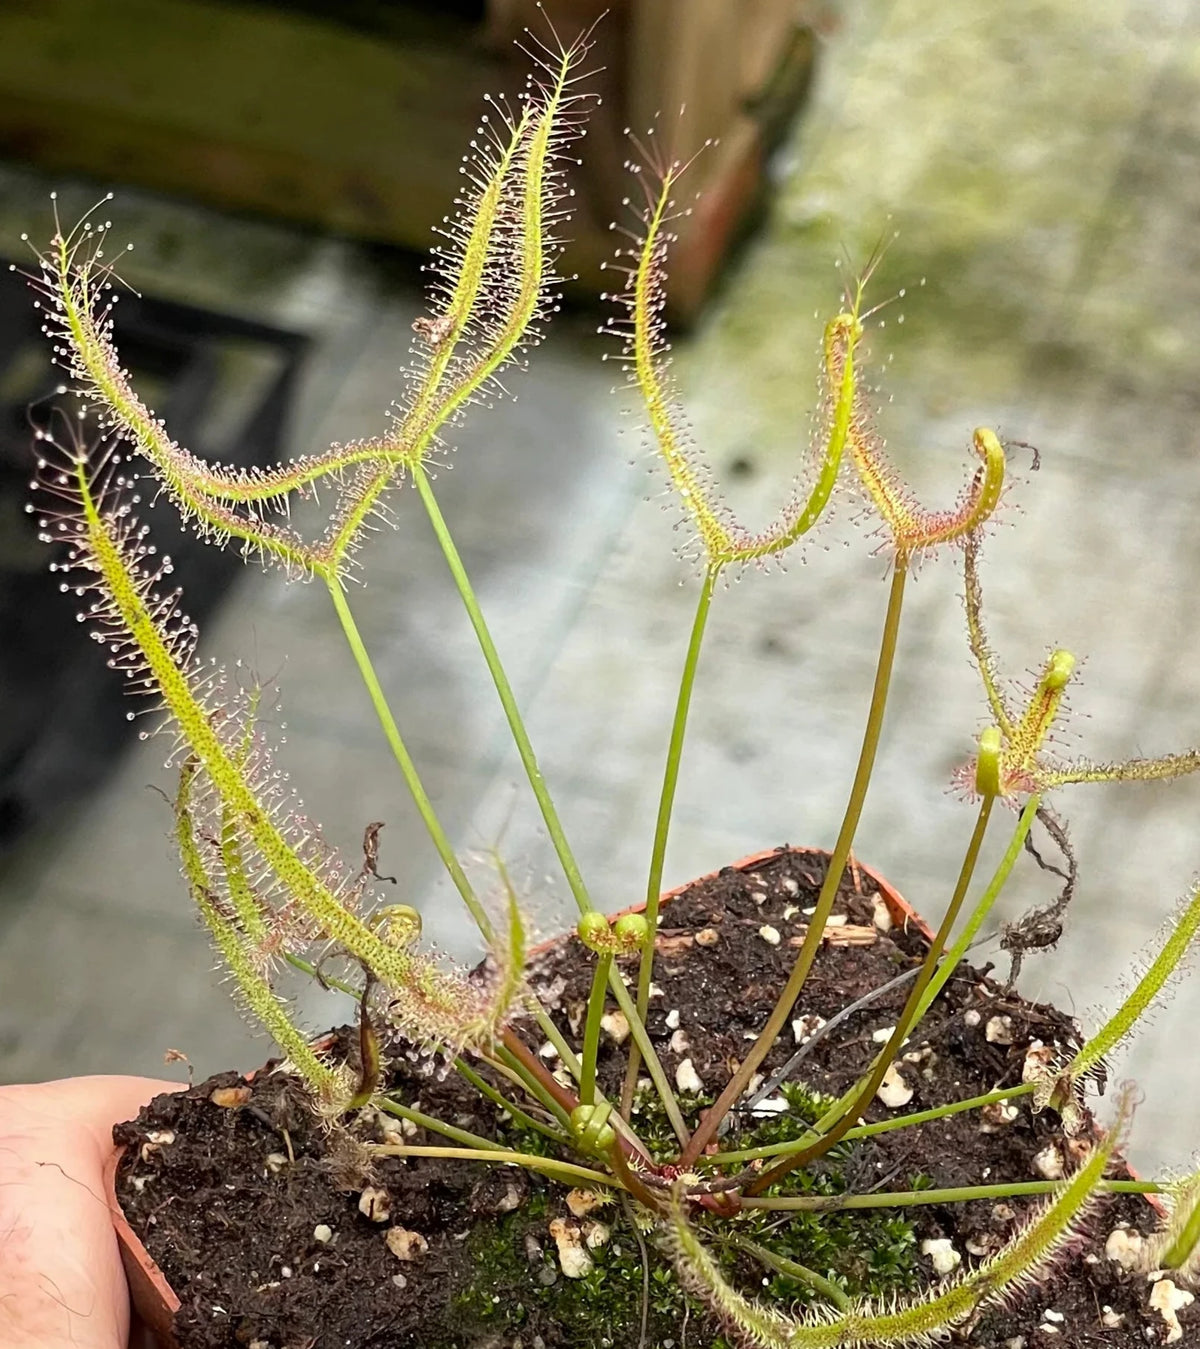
point(271, 894)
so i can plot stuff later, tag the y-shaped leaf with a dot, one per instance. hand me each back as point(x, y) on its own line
point(494, 282)
point(499, 308)
point(646, 355)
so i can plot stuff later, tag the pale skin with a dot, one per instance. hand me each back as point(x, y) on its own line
point(61, 1282)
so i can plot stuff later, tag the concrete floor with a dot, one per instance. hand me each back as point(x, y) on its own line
point(1039, 162)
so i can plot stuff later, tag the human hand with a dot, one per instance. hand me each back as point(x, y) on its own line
point(61, 1281)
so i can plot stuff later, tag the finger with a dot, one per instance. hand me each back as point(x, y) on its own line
point(94, 1103)
point(61, 1281)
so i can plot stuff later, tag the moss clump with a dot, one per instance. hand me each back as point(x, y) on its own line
point(519, 1284)
point(518, 1288)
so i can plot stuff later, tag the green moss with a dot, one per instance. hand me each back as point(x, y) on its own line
point(519, 1289)
point(519, 1283)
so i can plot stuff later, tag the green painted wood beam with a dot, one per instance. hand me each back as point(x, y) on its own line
point(247, 108)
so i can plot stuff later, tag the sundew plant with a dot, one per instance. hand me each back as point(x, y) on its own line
point(273, 896)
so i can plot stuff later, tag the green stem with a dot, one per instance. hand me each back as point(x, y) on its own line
point(434, 1125)
point(952, 958)
point(591, 1031)
point(522, 1079)
point(515, 1054)
point(939, 1112)
point(409, 769)
point(568, 1172)
point(555, 1036)
point(514, 1069)
point(536, 1088)
point(508, 702)
point(833, 877)
point(662, 826)
point(839, 1120)
point(641, 1038)
point(869, 1130)
point(538, 784)
point(942, 976)
point(792, 1268)
point(498, 1098)
point(497, 1065)
point(960, 1194)
point(508, 1066)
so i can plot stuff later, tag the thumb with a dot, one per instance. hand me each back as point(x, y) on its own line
point(61, 1281)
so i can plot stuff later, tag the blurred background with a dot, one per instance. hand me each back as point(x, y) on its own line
point(276, 166)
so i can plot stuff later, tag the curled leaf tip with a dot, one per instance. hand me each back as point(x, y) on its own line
point(914, 529)
point(1059, 670)
point(987, 765)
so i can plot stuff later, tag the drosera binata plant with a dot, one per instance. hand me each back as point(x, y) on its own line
point(271, 893)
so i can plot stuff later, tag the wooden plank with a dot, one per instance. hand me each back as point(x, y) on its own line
point(261, 108)
point(684, 69)
point(242, 109)
point(734, 68)
point(765, 31)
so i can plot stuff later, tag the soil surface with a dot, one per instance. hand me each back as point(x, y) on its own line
point(255, 1212)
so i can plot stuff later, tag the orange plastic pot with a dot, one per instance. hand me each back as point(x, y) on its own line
point(152, 1299)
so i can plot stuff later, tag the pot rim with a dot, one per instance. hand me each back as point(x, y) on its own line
point(902, 912)
point(152, 1300)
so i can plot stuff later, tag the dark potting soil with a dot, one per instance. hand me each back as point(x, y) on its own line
point(253, 1210)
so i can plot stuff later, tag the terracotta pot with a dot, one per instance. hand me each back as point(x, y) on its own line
point(154, 1300)
point(902, 912)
